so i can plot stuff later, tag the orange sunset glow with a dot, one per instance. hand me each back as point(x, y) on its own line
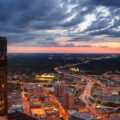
point(14, 49)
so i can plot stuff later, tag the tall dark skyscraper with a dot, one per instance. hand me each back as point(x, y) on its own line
point(3, 78)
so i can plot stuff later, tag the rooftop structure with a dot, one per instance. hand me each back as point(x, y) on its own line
point(74, 115)
point(17, 115)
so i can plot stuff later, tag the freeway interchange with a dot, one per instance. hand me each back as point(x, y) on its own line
point(87, 91)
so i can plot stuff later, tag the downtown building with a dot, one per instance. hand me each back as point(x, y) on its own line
point(59, 89)
point(68, 100)
point(74, 115)
point(3, 79)
point(6, 114)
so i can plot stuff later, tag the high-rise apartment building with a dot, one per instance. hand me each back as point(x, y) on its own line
point(68, 100)
point(62, 89)
point(56, 90)
point(3, 78)
point(59, 89)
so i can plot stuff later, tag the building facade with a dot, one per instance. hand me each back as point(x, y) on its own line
point(59, 89)
point(56, 90)
point(62, 89)
point(74, 115)
point(68, 100)
point(3, 78)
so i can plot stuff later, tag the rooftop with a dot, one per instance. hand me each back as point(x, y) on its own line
point(79, 115)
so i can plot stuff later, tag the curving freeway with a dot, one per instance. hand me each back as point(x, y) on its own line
point(87, 91)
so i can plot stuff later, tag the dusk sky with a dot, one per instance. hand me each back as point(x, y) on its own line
point(58, 26)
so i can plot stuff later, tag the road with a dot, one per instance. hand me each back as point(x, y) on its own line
point(87, 91)
point(25, 99)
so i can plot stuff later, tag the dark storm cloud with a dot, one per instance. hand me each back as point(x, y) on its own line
point(80, 11)
point(19, 18)
point(81, 38)
point(106, 24)
point(107, 32)
point(115, 3)
point(30, 14)
point(72, 45)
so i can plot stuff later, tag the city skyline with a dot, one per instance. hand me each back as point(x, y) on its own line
point(60, 59)
point(61, 26)
point(59, 86)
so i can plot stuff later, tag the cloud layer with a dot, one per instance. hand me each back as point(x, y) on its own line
point(60, 23)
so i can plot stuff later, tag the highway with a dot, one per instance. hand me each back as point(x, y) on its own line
point(87, 91)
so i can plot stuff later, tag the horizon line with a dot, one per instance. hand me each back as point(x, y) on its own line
point(55, 53)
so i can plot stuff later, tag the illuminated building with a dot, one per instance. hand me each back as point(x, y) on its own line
point(75, 69)
point(116, 77)
point(68, 100)
point(39, 113)
point(3, 78)
point(83, 109)
point(61, 89)
point(56, 90)
point(25, 103)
